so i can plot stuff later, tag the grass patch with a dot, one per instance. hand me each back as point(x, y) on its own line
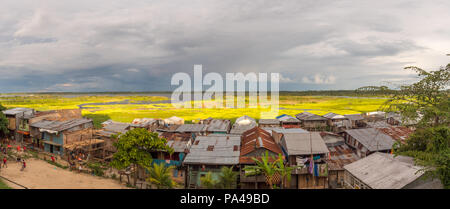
point(3, 185)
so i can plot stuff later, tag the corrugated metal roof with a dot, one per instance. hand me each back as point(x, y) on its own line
point(258, 138)
point(288, 130)
point(384, 171)
point(216, 125)
point(340, 156)
point(60, 125)
point(288, 119)
point(371, 138)
point(354, 117)
point(240, 129)
point(192, 128)
point(223, 152)
point(304, 144)
point(332, 115)
point(398, 133)
point(309, 116)
point(17, 110)
point(269, 121)
point(117, 127)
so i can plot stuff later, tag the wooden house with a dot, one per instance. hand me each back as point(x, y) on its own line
point(312, 122)
point(56, 134)
point(308, 152)
point(18, 123)
point(265, 123)
point(288, 121)
point(255, 143)
point(340, 155)
point(209, 154)
point(386, 171)
point(368, 140)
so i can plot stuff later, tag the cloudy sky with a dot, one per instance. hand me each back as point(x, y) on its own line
point(110, 45)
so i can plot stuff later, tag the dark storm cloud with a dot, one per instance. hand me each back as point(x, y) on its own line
point(122, 46)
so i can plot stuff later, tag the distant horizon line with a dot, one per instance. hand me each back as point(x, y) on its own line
point(100, 92)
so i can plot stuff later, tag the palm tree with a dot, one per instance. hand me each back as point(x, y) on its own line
point(285, 171)
point(263, 166)
point(208, 182)
point(160, 175)
point(227, 178)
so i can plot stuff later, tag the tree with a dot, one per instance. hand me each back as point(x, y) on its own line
point(430, 148)
point(426, 101)
point(134, 148)
point(263, 166)
point(160, 176)
point(227, 178)
point(208, 182)
point(3, 123)
point(285, 172)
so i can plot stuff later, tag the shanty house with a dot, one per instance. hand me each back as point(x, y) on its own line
point(336, 122)
point(264, 123)
point(242, 124)
point(368, 140)
point(309, 152)
point(356, 120)
point(312, 122)
point(340, 155)
point(288, 121)
point(56, 134)
point(255, 143)
point(52, 115)
point(209, 154)
point(277, 133)
point(180, 143)
point(217, 126)
point(386, 171)
point(375, 116)
point(194, 129)
point(18, 122)
point(107, 132)
point(147, 123)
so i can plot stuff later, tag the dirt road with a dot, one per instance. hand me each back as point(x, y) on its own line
point(41, 175)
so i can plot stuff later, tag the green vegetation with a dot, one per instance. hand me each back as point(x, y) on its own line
point(227, 179)
point(208, 182)
point(160, 176)
point(134, 148)
point(3, 185)
point(3, 123)
point(264, 167)
point(427, 101)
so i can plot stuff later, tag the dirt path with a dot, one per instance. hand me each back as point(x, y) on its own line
point(41, 175)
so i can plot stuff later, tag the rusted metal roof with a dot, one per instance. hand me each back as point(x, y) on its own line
point(256, 138)
point(398, 133)
point(341, 155)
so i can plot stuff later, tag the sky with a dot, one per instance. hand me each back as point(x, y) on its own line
point(111, 45)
